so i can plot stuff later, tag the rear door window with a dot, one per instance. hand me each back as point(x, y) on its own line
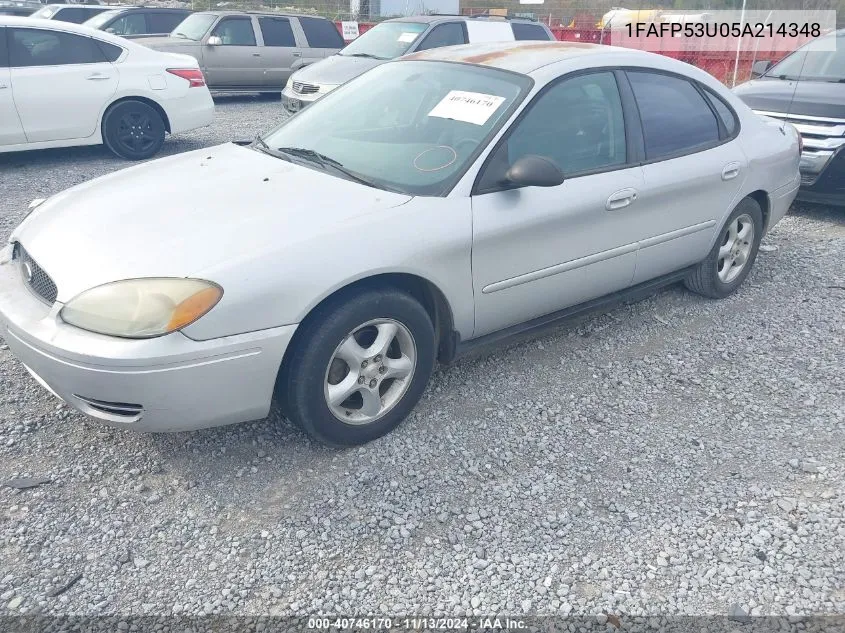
point(277, 32)
point(523, 31)
point(449, 34)
point(675, 118)
point(321, 33)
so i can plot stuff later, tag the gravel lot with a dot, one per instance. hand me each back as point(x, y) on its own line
point(677, 455)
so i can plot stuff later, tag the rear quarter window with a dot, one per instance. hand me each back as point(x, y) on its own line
point(110, 51)
point(724, 111)
point(321, 33)
point(523, 31)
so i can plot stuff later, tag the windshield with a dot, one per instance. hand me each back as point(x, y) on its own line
point(194, 26)
point(410, 126)
point(387, 40)
point(807, 64)
point(101, 18)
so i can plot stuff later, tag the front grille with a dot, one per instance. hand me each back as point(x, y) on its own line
point(35, 277)
point(119, 409)
point(305, 89)
point(818, 133)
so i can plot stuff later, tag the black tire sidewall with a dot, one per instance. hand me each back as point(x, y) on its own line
point(305, 400)
point(752, 208)
point(110, 122)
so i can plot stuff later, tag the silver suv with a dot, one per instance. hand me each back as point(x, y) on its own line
point(401, 36)
point(242, 51)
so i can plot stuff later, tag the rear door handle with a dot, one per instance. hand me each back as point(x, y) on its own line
point(297, 54)
point(97, 77)
point(621, 199)
point(730, 171)
point(3, 86)
point(256, 54)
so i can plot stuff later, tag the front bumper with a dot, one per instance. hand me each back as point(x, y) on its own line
point(823, 177)
point(170, 383)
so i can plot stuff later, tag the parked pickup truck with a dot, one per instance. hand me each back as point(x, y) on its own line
point(807, 88)
point(241, 51)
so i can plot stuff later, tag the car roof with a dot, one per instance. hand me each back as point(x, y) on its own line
point(142, 8)
point(270, 14)
point(522, 56)
point(444, 17)
point(97, 7)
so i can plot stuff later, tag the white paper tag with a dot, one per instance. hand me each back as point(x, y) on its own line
point(471, 107)
point(407, 37)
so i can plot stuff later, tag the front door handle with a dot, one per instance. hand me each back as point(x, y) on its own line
point(297, 54)
point(256, 54)
point(3, 86)
point(621, 199)
point(97, 77)
point(730, 171)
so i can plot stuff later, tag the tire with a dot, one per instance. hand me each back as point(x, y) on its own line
point(133, 130)
point(324, 363)
point(711, 278)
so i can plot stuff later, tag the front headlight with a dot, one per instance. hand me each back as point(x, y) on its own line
point(142, 308)
point(289, 83)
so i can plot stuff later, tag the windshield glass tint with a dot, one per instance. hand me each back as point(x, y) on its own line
point(194, 26)
point(386, 40)
point(101, 18)
point(809, 65)
point(407, 126)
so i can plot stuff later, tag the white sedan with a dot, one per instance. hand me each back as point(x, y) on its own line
point(63, 85)
point(434, 204)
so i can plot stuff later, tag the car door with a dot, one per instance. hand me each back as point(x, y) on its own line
point(61, 82)
point(537, 250)
point(321, 38)
point(280, 52)
point(693, 172)
point(11, 129)
point(236, 62)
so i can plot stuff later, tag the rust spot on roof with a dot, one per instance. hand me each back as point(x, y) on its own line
point(483, 58)
point(502, 51)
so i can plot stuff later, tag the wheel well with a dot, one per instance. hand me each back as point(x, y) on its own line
point(155, 106)
point(429, 295)
point(762, 198)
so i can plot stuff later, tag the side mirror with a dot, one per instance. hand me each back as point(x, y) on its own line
point(534, 171)
point(759, 68)
point(214, 40)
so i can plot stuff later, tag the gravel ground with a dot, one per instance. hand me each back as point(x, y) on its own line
point(677, 455)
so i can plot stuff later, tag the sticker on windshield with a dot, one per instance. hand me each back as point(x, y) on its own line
point(471, 107)
point(407, 37)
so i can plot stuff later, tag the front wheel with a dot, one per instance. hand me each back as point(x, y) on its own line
point(732, 256)
point(358, 367)
point(133, 130)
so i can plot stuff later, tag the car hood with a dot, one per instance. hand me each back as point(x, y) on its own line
point(175, 44)
point(811, 98)
point(336, 70)
point(180, 215)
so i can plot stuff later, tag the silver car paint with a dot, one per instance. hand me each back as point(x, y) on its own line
point(244, 218)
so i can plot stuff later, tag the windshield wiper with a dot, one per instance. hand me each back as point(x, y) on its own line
point(324, 161)
point(367, 55)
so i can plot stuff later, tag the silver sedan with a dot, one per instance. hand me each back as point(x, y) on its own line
point(433, 205)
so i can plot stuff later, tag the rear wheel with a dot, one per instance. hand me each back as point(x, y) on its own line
point(732, 256)
point(358, 367)
point(133, 130)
